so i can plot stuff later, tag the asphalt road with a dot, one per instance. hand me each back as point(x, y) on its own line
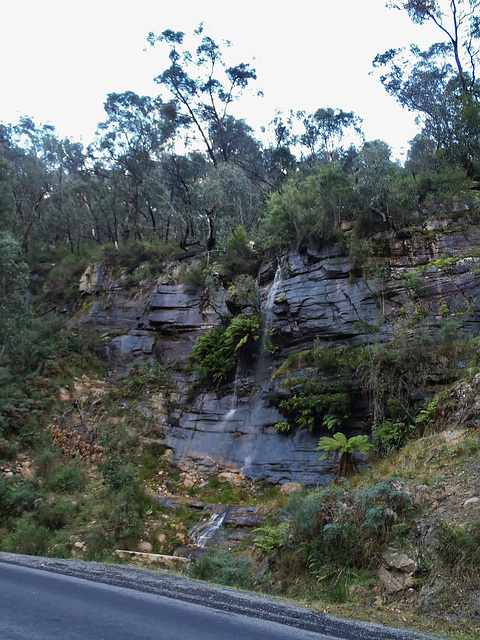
point(40, 605)
point(52, 599)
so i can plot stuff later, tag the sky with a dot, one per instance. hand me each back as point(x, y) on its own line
point(61, 58)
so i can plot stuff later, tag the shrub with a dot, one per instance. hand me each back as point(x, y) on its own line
point(239, 257)
point(46, 462)
point(389, 436)
point(68, 479)
point(243, 292)
point(20, 497)
point(242, 334)
point(225, 568)
point(318, 404)
point(55, 516)
point(117, 474)
point(145, 375)
point(212, 357)
point(338, 533)
point(135, 252)
point(28, 537)
point(214, 354)
point(460, 546)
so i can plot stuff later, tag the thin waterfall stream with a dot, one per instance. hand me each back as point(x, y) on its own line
point(264, 361)
point(269, 317)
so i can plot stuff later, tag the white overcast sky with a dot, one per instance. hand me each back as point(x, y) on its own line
point(60, 58)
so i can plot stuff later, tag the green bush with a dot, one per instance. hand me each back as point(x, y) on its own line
point(318, 404)
point(20, 497)
point(68, 478)
point(135, 252)
point(214, 354)
point(126, 510)
point(244, 292)
point(389, 436)
point(118, 474)
point(146, 375)
point(28, 537)
point(46, 462)
point(55, 516)
point(339, 528)
point(239, 256)
point(212, 357)
point(225, 568)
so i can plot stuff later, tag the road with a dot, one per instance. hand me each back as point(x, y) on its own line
point(52, 599)
point(39, 605)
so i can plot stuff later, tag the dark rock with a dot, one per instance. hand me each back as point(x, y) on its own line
point(319, 296)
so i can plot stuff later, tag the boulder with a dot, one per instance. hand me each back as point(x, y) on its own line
point(398, 560)
point(290, 487)
point(394, 583)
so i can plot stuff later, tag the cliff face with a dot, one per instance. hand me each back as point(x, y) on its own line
point(307, 296)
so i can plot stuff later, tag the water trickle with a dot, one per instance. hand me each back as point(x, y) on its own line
point(259, 403)
point(211, 527)
point(233, 403)
point(269, 317)
point(272, 294)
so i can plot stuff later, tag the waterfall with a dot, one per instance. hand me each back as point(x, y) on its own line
point(260, 402)
point(233, 403)
point(211, 527)
point(269, 317)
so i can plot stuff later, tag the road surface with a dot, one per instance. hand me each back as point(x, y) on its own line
point(47, 599)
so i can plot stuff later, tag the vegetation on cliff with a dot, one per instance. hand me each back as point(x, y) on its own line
point(81, 453)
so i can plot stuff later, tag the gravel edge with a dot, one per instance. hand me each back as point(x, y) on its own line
point(217, 597)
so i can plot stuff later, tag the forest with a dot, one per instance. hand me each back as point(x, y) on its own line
point(177, 179)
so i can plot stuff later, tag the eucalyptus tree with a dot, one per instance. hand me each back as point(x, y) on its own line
point(440, 83)
point(324, 130)
point(203, 87)
point(224, 199)
point(278, 158)
point(378, 183)
point(137, 132)
point(30, 176)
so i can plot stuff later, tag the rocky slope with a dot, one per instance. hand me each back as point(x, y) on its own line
point(307, 296)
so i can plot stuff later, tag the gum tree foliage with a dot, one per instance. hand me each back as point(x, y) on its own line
point(224, 198)
point(132, 140)
point(203, 87)
point(30, 177)
point(309, 207)
point(179, 175)
point(378, 182)
point(42, 170)
point(324, 131)
point(440, 84)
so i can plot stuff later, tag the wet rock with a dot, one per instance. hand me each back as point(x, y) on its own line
point(316, 297)
point(243, 517)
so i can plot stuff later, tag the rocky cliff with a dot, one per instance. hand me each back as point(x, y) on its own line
point(305, 296)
